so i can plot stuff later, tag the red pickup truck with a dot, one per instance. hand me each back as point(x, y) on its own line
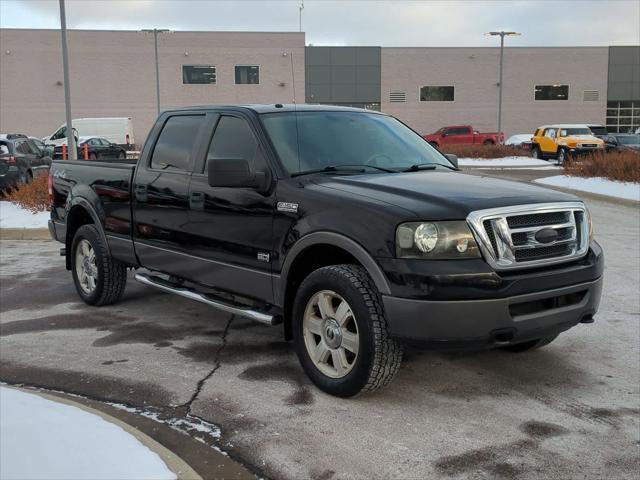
point(462, 135)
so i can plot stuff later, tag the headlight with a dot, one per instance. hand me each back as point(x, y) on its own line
point(436, 241)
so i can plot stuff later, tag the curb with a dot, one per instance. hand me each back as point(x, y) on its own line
point(24, 234)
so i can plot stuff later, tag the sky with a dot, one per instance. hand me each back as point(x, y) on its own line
point(355, 22)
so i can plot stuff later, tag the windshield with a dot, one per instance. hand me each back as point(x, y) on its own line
point(568, 132)
point(325, 139)
point(628, 139)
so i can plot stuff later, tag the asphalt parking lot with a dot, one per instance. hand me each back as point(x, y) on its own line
point(570, 410)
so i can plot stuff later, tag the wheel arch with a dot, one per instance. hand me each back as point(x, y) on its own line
point(318, 250)
point(80, 212)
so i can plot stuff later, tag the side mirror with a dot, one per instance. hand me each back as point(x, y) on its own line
point(444, 134)
point(452, 158)
point(234, 173)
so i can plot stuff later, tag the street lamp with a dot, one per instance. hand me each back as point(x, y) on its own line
point(501, 34)
point(155, 32)
point(71, 141)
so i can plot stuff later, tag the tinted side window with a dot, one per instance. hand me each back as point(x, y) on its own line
point(233, 138)
point(176, 141)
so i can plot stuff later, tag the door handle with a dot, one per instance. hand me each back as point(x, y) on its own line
point(141, 192)
point(196, 200)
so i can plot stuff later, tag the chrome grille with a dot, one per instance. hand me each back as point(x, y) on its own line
point(531, 235)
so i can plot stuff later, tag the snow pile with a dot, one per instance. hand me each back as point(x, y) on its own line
point(503, 162)
point(602, 186)
point(13, 216)
point(40, 438)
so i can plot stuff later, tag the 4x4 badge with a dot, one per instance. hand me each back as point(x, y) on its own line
point(263, 257)
point(287, 207)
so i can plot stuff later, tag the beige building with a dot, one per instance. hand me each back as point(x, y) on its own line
point(541, 85)
point(113, 74)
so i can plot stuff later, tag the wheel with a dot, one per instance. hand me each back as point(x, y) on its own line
point(93, 156)
point(535, 152)
point(488, 142)
point(341, 334)
point(530, 345)
point(99, 279)
point(122, 155)
point(434, 145)
point(562, 156)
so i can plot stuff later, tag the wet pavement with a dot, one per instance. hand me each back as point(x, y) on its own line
point(569, 410)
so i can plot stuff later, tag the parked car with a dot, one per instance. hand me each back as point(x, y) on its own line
point(118, 130)
point(598, 130)
point(46, 149)
point(562, 140)
point(20, 160)
point(622, 141)
point(96, 149)
point(522, 141)
point(342, 224)
point(462, 135)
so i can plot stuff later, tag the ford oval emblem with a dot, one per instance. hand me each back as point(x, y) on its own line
point(546, 235)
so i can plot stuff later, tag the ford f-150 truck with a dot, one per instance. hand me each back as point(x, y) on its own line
point(343, 225)
point(462, 135)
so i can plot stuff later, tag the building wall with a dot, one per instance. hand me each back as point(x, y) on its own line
point(474, 73)
point(113, 74)
point(623, 106)
point(342, 75)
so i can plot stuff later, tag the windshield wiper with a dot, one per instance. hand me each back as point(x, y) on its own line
point(420, 166)
point(342, 168)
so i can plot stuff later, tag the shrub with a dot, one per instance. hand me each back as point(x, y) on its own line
point(623, 166)
point(483, 151)
point(33, 196)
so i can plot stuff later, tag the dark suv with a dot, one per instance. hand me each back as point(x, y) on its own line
point(20, 160)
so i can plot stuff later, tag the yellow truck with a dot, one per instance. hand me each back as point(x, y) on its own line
point(563, 140)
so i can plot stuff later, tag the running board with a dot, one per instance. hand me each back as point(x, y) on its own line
point(191, 294)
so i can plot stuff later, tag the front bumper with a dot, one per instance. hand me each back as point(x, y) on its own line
point(492, 322)
point(585, 150)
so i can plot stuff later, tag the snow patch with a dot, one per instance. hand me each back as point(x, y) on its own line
point(599, 185)
point(515, 161)
point(14, 216)
point(41, 438)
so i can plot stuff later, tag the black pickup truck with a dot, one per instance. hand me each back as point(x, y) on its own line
point(342, 224)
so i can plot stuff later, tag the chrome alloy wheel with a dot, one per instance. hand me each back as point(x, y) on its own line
point(330, 334)
point(86, 268)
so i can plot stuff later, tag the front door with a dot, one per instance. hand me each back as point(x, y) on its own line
point(231, 228)
point(161, 194)
point(548, 141)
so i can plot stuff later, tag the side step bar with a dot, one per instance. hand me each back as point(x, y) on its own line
point(191, 294)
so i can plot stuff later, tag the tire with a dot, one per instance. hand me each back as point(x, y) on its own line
point(434, 145)
point(535, 152)
point(93, 156)
point(530, 345)
point(488, 142)
point(377, 356)
point(561, 157)
point(122, 155)
point(100, 280)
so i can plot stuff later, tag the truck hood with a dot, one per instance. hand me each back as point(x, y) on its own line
point(442, 195)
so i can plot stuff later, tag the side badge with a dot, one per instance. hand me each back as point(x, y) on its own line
point(263, 257)
point(287, 207)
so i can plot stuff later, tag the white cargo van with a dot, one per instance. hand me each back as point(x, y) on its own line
point(118, 130)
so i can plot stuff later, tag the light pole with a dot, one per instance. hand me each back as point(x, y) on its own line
point(155, 32)
point(71, 141)
point(501, 34)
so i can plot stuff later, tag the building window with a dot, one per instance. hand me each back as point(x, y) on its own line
point(437, 94)
point(552, 92)
point(247, 75)
point(623, 117)
point(198, 74)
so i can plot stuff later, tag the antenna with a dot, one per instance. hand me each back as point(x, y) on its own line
point(295, 109)
point(301, 8)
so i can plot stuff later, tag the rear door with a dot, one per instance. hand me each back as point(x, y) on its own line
point(548, 141)
point(231, 228)
point(161, 192)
